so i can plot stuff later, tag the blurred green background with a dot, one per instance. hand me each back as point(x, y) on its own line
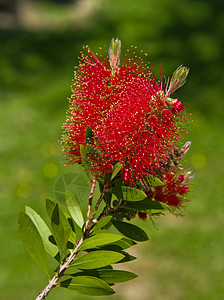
point(40, 42)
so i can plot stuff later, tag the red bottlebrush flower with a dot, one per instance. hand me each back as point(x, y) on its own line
point(177, 106)
point(129, 113)
point(172, 192)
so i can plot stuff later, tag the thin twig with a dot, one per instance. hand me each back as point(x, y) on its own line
point(61, 271)
point(91, 196)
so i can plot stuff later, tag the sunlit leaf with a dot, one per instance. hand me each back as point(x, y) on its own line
point(32, 241)
point(99, 239)
point(119, 245)
point(101, 223)
point(97, 259)
point(116, 170)
point(50, 205)
point(87, 285)
point(154, 181)
point(110, 276)
point(128, 194)
point(115, 276)
point(131, 231)
point(74, 209)
point(61, 234)
point(43, 230)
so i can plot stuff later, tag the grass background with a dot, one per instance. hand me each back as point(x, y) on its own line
point(185, 256)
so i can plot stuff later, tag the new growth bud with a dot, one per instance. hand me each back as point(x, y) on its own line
point(114, 55)
point(177, 80)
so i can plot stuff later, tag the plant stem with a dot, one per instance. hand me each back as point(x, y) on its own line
point(90, 201)
point(71, 257)
point(105, 189)
point(61, 271)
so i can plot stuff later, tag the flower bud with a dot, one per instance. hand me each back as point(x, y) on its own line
point(114, 54)
point(177, 80)
point(185, 148)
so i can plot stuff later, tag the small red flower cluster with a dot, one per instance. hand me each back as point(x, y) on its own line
point(134, 120)
point(173, 191)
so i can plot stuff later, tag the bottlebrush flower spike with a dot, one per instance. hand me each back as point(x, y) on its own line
point(133, 120)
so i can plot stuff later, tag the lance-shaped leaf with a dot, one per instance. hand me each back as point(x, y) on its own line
point(128, 194)
point(154, 181)
point(61, 234)
point(66, 220)
point(89, 135)
point(127, 257)
point(74, 208)
point(110, 276)
point(98, 240)
point(32, 241)
point(116, 170)
point(115, 276)
point(148, 206)
point(102, 223)
point(43, 230)
point(119, 245)
point(131, 231)
point(50, 205)
point(87, 285)
point(97, 259)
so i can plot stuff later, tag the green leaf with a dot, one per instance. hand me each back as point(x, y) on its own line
point(74, 209)
point(97, 259)
point(131, 231)
point(50, 205)
point(110, 276)
point(148, 206)
point(61, 234)
point(32, 241)
point(101, 223)
point(99, 239)
point(116, 170)
point(43, 230)
point(88, 285)
point(154, 181)
point(89, 135)
point(115, 276)
point(127, 257)
point(119, 245)
point(128, 194)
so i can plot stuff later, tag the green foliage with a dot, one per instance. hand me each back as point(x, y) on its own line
point(43, 230)
point(122, 244)
point(128, 194)
point(89, 135)
point(110, 276)
point(99, 239)
point(32, 241)
point(116, 170)
point(148, 206)
point(97, 259)
point(61, 230)
point(154, 181)
point(131, 231)
point(87, 285)
point(74, 208)
point(102, 223)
